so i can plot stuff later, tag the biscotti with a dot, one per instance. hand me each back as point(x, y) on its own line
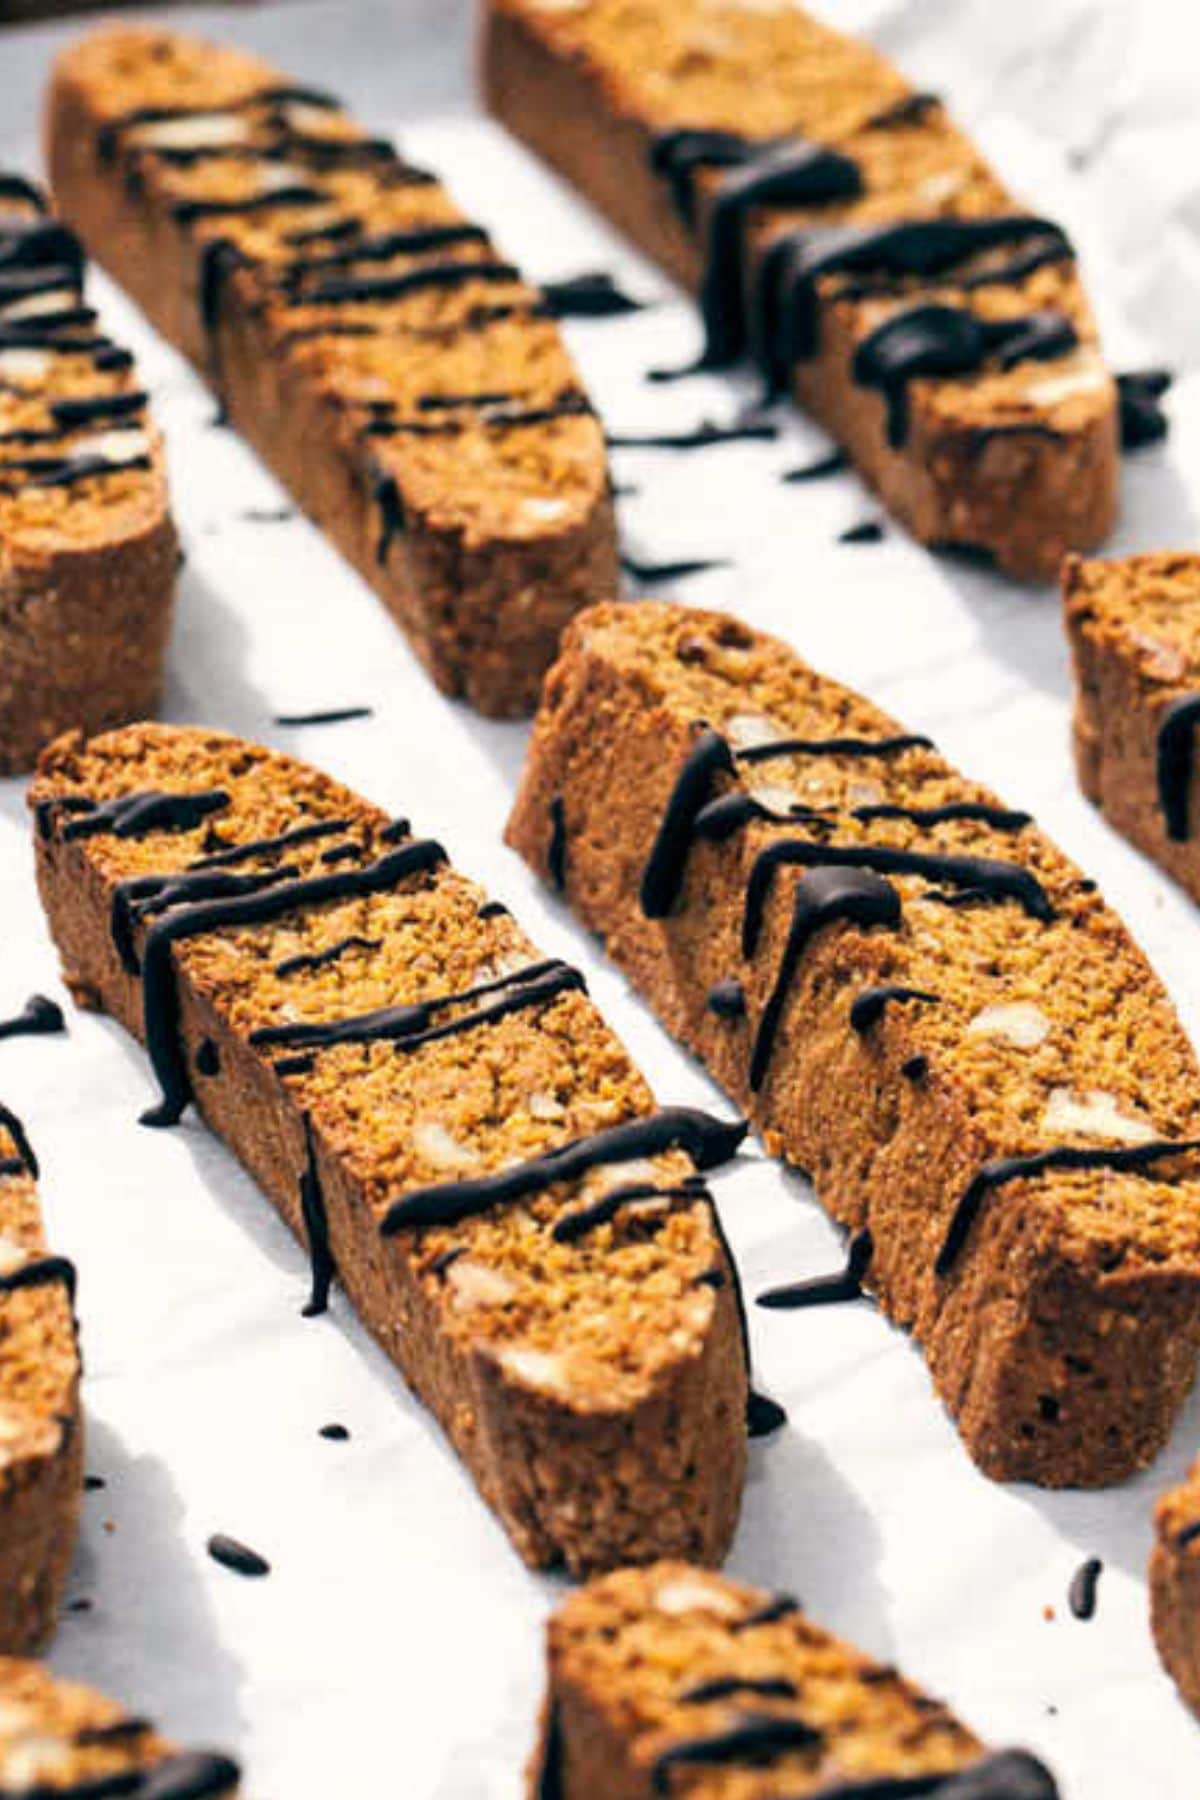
point(57, 1737)
point(839, 228)
point(87, 548)
point(41, 1427)
point(438, 1113)
point(918, 1000)
point(672, 1680)
point(1134, 629)
point(1175, 1585)
point(404, 382)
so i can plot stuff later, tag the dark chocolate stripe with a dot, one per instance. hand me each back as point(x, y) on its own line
point(575, 1225)
point(700, 437)
point(383, 246)
point(137, 815)
point(16, 187)
point(286, 840)
point(91, 409)
point(826, 1290)
point(40, 242)
point(43, 1271)
point(39, 1017)
point(16, 1131)
point(725, 1687)
point(868, 1008)
point(984, 876)
point(65, 473)
point(185, 920)
point(593, 295)
point(114, 129)
point(281, 199)
point(315, 1218)
point(755, 1741)
point(1175, 758)
point(1081, 1595)
point(321, 959)
point(366, 289)
point(709, 757)
point(1132, 1159)
point(231, 1553)
point(834, 746)
point(779, 1606)
point(706, 1140)
point(139, 897)
point(854, 894)
point(1142, 418)
point(188, 1775)
point(999, 818)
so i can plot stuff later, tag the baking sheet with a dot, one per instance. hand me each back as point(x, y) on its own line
point(396, 1646)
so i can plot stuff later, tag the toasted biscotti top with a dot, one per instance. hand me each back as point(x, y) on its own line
point(1046, 1027)
point(720, 1691)
point(39, 1357)
point(80, 463)
point(765, 73)
point(497, 1057)
point(439, 363)
point(1146, 608)
point(59, 1736)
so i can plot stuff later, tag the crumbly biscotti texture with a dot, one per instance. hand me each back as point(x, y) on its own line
point(405, 384)
point(41, 1424)
point(87, 548)
point(1018, 456)
point(589, 1373)
point(1058, 1307)
point(1175, 1585)
point(1133, 624)
point(59, 1736)
point(672, 1679)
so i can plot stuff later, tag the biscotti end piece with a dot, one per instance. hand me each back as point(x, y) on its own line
point(41, 1425)
point(405, 383)
point(1134, 629)
point(1175, 1586)
point(673, 1679)
point(57, 1736)
point(87, 548)
point(838, 228)
point(938, 1018)
point(439, 1114)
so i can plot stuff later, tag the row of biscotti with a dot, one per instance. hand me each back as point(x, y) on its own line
point(839, 228)
point(449, 1127)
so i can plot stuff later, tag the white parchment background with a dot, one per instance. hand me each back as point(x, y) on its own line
point(396, 1647)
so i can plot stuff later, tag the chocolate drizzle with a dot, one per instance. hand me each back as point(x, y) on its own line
point(1008, 1775)
point(593, 295)
point(652, 573)
point(189, 917)
point(1142, 419)
point(316, 1228)
point(700, 437)
point(340, 715)
point(662, 877)
point(726, 1687)
point(42, 1271)
point(321, 959)
point(137, 815)
point(1132, 1159)
point(826, 894)
point(575, 1225)
point(708, 1141)
point(1081, 1595)
point(26, 1159)
point(39, 1017)
point(232, 1554)
point(727, 999)
point(779, 1606)
point(186, 1775)
point(1175, 757)
point(833, 746)
point(556, 849)
point(950, 340)
point(826, 1290)
point(355, 290)
point(755, 1741)
point(16, 187)
point(868, 1007)
point(831, 464)
point(286, 840)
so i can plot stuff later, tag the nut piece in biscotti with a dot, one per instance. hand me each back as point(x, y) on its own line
point(672, 1680)
point(938, 1018)
point(837, 227)
point(1175, 1586)
point(1134, 629)
point(439, 1114)
point(369, 341)
point(87, 548)
point(41, 1426)
point(58, 1737)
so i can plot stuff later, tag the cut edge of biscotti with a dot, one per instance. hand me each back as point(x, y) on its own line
point(577, 1336)
point(58, 1735)
point(1059, 1163)
point(657, 1671)
point(464, 473)
point(1175, 1585)
point(1017, 463)
point(41, 1422)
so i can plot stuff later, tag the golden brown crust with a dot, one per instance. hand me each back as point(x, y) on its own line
point(593, 1384)
point(1134, 628)
point(1062, 1328)
point(1020, 465)
point(87, 566)
point(1175, 1585)
point(41, 1423)
point(647, 1667)
point(57, 1735)
point(481, 537)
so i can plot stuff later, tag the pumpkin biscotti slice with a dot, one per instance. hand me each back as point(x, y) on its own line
point(41, 1424)
point(1175, 1585)
point(58, 1738)
point(1134, 629)
point(918, 999)
point(440, 1114)
point(672, 1680)
point(840, 229)
point(368, 340)
point(87, 549)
